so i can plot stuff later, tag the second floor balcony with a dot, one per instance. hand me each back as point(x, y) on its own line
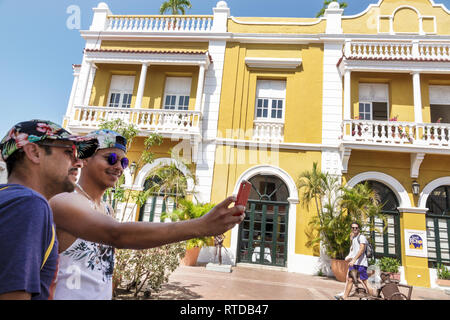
point(396, 133)
point(168, 123)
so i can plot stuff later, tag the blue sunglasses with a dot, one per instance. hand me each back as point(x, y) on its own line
point(113, 158)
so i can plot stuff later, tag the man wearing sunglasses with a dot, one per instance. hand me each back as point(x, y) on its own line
point(357, 260)
point(40, 157)
point(88, 234)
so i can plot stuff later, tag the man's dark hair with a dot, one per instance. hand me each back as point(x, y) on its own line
point(18, 156)
point(354, 222)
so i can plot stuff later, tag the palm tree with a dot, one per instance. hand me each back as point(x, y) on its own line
point(313, 183)
point(168, 180)
point(175, 6)
point(362, 204)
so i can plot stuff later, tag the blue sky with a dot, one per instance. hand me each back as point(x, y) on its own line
point(38, 49)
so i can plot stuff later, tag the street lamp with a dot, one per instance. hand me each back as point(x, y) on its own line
point(133, 166)
point(415, 188)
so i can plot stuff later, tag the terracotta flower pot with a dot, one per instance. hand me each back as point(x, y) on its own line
point(340, 269)
point(190, 259)
point(395, 276)
point(443, 282)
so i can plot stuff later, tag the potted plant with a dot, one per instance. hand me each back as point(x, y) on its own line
point(333, 228)
point(391, 266)
point(188, 210)
point(443, 277)
point(337, 207)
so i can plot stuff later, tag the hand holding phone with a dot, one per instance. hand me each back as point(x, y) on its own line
point(243, 193)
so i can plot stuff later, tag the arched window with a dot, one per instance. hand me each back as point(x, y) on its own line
point(167, 184)
point(387, 243)
point(263, 233)
point(438, 226)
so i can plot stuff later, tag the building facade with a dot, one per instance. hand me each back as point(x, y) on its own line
point(367, 97)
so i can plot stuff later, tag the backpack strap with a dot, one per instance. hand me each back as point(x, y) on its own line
point(50, 247)
point(4, 188)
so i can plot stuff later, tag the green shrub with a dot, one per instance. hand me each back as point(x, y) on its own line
point(146, 270)
point(443, 272)
point(387, 264)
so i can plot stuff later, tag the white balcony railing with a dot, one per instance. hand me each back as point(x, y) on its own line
point(268, 131)
point(397, 50)
point(395, 132)
point(160, 23)
point(145, 120)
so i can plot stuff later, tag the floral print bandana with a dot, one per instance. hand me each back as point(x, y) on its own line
point(109, 139)
point(38, 130)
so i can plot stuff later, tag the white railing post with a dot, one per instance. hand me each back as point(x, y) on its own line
point(221, 15)
point(333, 14)
point(100, 20)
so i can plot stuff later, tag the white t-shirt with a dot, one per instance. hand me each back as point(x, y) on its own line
point(362, 260)
point(85, 270)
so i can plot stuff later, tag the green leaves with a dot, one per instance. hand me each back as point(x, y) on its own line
point(175, 6)
point(337, 207)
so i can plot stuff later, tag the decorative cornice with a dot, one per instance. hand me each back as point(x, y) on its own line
point(279, 63)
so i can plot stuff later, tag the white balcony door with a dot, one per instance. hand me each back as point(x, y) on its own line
point(373, 101)
point(177, 92)
point(121, 91)
point(270, 100)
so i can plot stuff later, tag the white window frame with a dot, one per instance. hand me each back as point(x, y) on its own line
point(123, 93)
point(168, 92)
point(270, 101)
point(370, 101)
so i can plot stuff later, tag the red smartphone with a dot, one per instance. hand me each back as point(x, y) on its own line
point(243, 194)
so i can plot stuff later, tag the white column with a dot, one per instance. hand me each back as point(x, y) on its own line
point(140, 92)
point(347, 95)
point(76, 76)
point(417, 98)
point(90, 84)
point(85, 84)
point(201, 81)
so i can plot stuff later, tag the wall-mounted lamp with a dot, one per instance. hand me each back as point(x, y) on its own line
point(133, 166)
point(415, 188)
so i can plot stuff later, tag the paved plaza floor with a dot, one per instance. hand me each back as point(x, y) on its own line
point(250, 283)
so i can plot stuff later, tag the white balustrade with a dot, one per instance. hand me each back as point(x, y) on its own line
point(160, 23)
point(397, 50)
point(434, 51)
point(154, 120)
point(264, 131)
point(396, 132)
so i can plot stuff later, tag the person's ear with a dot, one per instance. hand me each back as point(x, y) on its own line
point(32, 153)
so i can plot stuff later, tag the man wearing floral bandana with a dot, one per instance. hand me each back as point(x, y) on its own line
point(39, 156)
point(88, 234)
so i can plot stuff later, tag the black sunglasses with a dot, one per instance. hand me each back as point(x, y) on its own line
point(355, 227)
point(113, 158)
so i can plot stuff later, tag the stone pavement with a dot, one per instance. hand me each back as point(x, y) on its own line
point(250, 283)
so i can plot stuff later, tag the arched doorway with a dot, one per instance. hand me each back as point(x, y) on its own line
point(263, 234)
point(163, 195)
point(387, 242)
point(438, 226)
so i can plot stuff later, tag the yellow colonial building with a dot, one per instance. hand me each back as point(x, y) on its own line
point(367, 97)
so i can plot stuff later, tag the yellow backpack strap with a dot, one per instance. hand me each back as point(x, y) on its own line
point(50, 247)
